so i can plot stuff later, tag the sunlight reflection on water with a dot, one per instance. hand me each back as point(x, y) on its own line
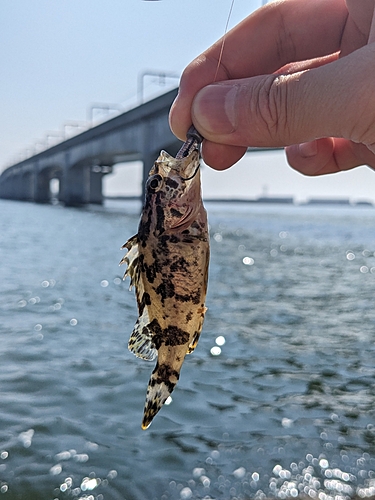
point(277, 400)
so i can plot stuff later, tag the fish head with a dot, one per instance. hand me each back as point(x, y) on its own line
point(173, 188)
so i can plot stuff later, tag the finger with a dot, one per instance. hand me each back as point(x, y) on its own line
point(360, 18)
point(371, 38)
point(328, 156)
point(289, 109)
point(271, 37)
point(220, 156)
point(294, 67)
point(185, 119)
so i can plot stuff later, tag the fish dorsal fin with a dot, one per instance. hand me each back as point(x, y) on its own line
point(131, 259)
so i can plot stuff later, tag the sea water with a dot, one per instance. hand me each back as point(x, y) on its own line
point(278, 399)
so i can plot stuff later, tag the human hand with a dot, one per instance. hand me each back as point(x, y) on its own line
point(294, 73)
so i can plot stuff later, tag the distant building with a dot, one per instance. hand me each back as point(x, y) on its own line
point(328, 201)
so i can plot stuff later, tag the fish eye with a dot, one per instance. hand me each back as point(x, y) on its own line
point(154, 183)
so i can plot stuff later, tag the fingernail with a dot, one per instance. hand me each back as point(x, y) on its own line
point(308, 149)
point(214, 109)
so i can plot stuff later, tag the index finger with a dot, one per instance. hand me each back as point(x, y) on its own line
point(273, 36)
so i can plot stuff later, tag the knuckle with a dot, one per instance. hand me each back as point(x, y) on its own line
point(272, 108)
point(363, 129)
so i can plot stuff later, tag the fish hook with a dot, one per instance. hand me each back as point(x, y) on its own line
point(193, 141)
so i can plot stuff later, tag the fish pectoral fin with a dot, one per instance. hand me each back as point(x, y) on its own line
point(131, 259)
point(140, 342)
point(193, 344)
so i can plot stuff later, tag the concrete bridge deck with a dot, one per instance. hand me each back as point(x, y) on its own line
point(81, 161)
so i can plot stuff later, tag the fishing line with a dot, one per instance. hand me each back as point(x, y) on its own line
point(194, 139)
point(223, 42)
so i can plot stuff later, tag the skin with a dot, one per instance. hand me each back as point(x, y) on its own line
point(295, 73)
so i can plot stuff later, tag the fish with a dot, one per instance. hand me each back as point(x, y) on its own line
point(167, 262)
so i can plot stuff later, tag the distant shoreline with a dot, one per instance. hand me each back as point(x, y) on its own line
point(343, 202)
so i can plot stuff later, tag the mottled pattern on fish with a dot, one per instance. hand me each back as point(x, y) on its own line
point(168, 265)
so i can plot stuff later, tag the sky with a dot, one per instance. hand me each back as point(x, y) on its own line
point(58, 58)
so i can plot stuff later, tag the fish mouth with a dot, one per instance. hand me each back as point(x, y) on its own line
point(192, 176)
point(187, 168)
point(167, 163)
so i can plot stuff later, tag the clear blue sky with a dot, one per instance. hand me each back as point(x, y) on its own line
point(58, 57)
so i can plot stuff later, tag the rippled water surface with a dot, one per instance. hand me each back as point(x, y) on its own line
point(277, 400)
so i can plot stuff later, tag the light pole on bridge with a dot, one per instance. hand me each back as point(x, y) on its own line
point(102, 106)
point(54, 135)
point(73, 125)
point(162, 75)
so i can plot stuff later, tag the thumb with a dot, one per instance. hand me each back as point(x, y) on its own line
point(337, 99)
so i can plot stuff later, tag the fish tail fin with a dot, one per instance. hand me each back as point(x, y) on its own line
point(162, 382)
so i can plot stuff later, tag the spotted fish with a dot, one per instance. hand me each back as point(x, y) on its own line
point(167, 262)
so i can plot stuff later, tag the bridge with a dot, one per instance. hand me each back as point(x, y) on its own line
point(79, 163)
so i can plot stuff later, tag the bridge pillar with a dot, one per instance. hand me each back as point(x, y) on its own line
point(97, 172)
point(5, 189)
point(75, 188)
point(14, 187)
point(60, 195)
point(27, 187)
point(8, 188)
point(149, 154)
point(96, 195)
point(41, 187)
